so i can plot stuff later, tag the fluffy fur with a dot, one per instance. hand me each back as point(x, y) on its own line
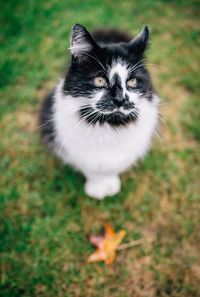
point(102, 130)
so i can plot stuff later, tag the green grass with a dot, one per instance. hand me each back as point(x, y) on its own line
point(45, 216)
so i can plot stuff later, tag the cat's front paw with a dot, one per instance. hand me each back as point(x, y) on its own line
point(101, 187)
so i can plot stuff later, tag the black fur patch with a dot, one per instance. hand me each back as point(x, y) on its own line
point(46, 123)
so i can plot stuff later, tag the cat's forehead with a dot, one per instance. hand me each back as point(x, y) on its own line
point(119, 67)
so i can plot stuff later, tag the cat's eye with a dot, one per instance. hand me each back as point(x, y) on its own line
point(132, 83)
point(100, 81)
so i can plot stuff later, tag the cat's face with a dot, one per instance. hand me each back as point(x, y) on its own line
point(110, 81)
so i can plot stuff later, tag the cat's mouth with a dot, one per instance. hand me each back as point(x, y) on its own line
point(115, 118)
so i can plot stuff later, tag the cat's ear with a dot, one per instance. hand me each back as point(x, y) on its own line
point(140, 42)
point(81, 41)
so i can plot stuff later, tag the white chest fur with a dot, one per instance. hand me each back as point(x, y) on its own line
point(101, 149)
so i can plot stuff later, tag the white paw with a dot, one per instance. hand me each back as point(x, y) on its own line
point(99, 188)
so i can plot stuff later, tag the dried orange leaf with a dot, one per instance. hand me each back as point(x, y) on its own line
point(106, 245)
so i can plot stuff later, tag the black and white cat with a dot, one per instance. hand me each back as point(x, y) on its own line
point(101, 117)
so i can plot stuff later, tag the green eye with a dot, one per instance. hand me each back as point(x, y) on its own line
point(132, 83)
point(100, 81)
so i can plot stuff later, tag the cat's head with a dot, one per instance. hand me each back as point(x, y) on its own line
point(109, 79)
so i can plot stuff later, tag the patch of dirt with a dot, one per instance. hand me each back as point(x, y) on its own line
point(141, 283)
point(27, 120)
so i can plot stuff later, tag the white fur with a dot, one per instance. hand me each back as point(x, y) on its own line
point(79, 49)
point(101, 153)
point(121, 69)
point(79, 45)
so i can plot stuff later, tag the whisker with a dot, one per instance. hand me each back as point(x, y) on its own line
point(97, 60)
point(160, 137)
point(66, 112)
point(95, 118)
point(143, 63)
point(69, 134)
point(156, 65)
point(53, 119)
point(161, 119)
point(139, 63)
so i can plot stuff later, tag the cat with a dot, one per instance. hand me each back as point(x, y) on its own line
point(102, 115)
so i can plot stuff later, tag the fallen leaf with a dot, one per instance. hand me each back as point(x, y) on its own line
point(106, 244)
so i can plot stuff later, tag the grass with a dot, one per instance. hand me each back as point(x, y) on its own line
point(45, 216)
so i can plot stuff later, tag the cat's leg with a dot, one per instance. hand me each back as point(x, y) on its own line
point(100, 186)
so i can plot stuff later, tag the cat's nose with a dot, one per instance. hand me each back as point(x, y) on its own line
point(119, 101)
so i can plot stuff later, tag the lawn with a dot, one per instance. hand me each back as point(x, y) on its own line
point(45, 216)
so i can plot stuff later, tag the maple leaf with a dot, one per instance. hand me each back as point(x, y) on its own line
point(106, 245)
